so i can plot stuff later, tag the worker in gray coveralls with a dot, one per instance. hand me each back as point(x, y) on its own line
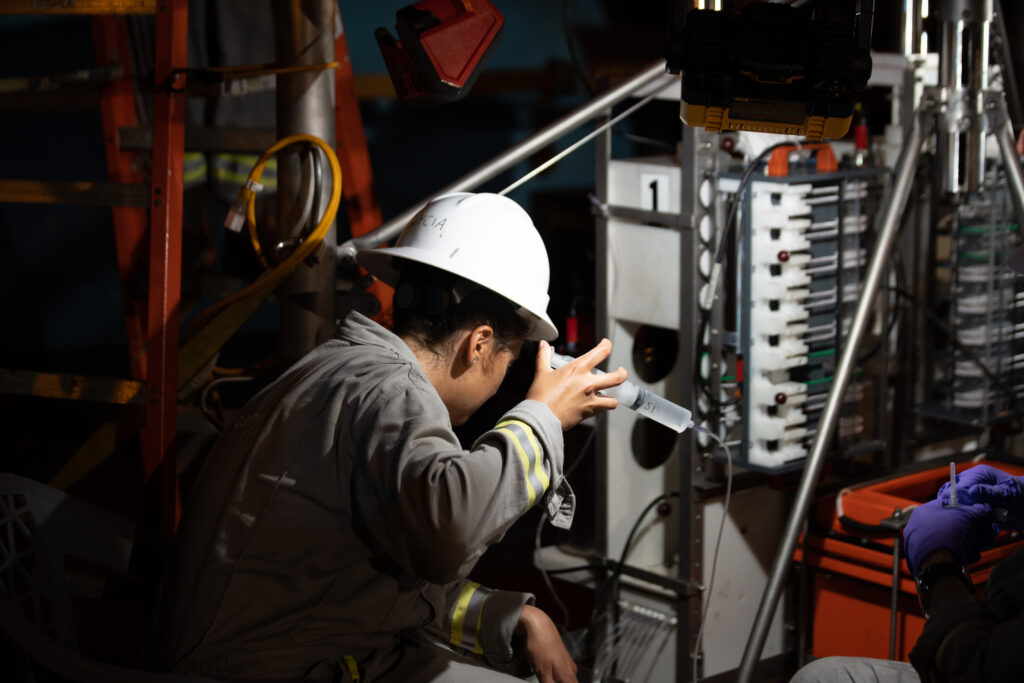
point(331, 531)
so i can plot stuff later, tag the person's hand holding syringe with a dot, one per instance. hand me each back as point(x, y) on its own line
point(642, 401)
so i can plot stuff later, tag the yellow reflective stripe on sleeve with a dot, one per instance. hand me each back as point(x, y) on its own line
point(536, 464)
point(194, 168)
point(353, 668)
point(477, 647)
point(525, 459)
point(459, 614)
point(233, 169)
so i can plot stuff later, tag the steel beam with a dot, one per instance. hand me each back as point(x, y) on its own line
point(305, 104)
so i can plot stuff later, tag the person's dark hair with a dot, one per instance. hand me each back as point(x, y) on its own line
point(431, 305)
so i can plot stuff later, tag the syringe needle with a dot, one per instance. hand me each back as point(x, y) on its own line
point(952, 486)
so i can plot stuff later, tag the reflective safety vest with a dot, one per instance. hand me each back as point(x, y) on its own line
point(230, 171)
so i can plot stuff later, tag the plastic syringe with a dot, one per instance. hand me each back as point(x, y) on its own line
point(1000, 513)
point(638, 399)
point(953, 502)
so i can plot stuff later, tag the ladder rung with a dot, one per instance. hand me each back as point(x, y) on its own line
point(73, 192)
point(73, 387)
point(77, 6)
point(204, 139)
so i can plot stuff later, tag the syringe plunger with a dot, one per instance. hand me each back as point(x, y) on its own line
point(641, 400)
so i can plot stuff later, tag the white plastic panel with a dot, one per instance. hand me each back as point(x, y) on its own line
point(643, 274)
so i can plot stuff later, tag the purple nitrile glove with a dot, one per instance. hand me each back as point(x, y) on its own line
point(965, 531)
point(984, 484)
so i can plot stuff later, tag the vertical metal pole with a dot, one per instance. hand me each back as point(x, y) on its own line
point(1011, 164)
point(305, 104)
point(165, 257)
point(963, 74)
point(897, 199)
point(602, 329)
point(699, 155)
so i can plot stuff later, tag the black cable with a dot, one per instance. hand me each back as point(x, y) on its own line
point(583, 450)
point(569, 570)
point(894, 317)
point(570, 41)
point(734, 205)
point(581, 73)
point(704, 383)
point(612, 581)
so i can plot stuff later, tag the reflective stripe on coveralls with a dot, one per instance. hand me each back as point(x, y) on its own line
point(467, 617)
point(194, 170)
point(530, 453)
point(231, 171)
point(353, 668)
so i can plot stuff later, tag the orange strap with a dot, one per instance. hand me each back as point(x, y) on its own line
point(778, 164)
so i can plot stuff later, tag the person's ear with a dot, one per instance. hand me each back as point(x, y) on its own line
point(481, 343)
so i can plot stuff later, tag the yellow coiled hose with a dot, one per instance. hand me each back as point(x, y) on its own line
point(271, 278)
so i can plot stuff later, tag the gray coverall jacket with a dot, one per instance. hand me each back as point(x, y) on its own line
point(337, 518)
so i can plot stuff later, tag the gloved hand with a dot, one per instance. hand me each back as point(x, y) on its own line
point(984, 484)
point(965, 531)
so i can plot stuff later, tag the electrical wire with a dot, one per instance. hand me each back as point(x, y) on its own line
point(587, 138)
point(894, 318)
point(612, 581)
point(270, 279)
point(564, 623)
point(642, 639)
point(312, 190)
point(546, 573)
point(581, 74)
point(208, 413)
point(570, 42)
point(718, 544)
point(669, 625)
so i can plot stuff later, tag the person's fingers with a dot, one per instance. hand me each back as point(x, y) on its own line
point(595, 356)
point(571, 673)
point(997, 496)
point(608, 380)
point(544, 675)
point(544, 352)
point(602, 403)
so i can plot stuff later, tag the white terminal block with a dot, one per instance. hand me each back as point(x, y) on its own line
point(759, 454)
point(764, 392)
point(779, 284)
point(771, 428)
point(787, 353)
point(787, 319)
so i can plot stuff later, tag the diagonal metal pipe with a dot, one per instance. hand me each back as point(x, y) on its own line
point(510, 157)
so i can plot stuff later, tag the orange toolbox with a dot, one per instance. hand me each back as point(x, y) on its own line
point(848, 553)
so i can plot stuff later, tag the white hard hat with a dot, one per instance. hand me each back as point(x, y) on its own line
point(485, 238)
